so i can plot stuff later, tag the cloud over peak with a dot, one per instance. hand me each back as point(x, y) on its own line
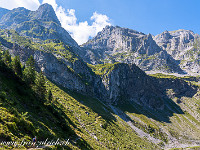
point(81, 31)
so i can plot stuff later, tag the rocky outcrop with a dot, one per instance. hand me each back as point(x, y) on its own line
point(128, 83)
point(176, 43)
point(116, 44)
point(45, 13)
point(172, 88)
point(119, 40)
point(182, 45)
point(14, 17)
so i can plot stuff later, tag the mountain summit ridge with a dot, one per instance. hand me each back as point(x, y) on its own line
point(46, 12)
point(116, 44)
point(179, 48)
point(42, 24)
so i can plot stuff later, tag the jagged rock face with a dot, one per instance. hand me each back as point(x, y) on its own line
point(175, 87)
point(42, 23)
point(53, 69)
point(171, 51)
point(115, 44)
point(113, 39)
point(182, 45)
point(128, 83)
point(176, 43)
point(116, 39)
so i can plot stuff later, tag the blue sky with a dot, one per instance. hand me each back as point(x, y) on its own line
point(147, 16)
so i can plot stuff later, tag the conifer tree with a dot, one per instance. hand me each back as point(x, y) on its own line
point(0, 52)
point(0, 55)
point(49, 95)
point(1, 61)
point(40, 85)
point(17, 66)
point(29, 71)
point(7, 58)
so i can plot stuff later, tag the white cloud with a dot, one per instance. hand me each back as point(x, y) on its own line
point(81, 31)
point(100, 21)
point(29, 4)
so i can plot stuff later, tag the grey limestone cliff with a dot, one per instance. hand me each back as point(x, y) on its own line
point(182, 45)
point(116, 44)
point(128, 83)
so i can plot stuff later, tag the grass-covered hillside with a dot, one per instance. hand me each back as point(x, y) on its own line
point(86, 122)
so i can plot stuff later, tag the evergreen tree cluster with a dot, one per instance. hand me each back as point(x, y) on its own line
point(27, 73)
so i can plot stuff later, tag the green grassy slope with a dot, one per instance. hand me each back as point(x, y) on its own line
point(24, 115)
point(178, 125)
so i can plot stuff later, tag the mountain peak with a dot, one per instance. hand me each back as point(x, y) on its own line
point(46, 12)
point(46, 6)
point(117, 30)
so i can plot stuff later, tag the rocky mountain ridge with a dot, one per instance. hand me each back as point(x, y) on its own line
point(116, 44)
point(182, 45)
point(170, 52)
point(40, 24)
point(114, 86)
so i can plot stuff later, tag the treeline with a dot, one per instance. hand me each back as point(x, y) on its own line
point(27, 73)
